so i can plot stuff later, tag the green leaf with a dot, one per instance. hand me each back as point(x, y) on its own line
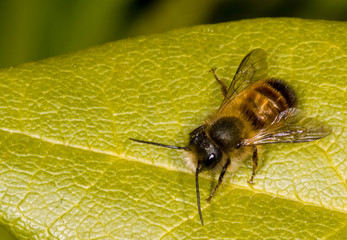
point(68, 170)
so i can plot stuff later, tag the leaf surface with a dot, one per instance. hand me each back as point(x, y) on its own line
point(68, 170)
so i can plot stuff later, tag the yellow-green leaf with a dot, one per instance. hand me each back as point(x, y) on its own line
point(68, 170)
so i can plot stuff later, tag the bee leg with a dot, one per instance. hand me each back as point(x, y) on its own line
point(220, 179)
point(222, 84)
point(255, 164)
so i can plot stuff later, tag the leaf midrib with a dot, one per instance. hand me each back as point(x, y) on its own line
point(124, 156)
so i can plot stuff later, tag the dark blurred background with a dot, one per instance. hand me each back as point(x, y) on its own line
point(36, 29)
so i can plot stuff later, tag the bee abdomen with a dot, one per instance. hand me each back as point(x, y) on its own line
point(286, 91)
point(265, 100)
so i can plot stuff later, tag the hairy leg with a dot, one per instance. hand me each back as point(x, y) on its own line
point(223, 87)
point(220, 179)
point(255, 164)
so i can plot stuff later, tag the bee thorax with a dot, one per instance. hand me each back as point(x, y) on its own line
point(226, 132)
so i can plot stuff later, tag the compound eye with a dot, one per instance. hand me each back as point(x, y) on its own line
point(212, 157)
point(211, 160)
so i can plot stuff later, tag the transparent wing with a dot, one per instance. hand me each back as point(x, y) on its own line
point(252, 68)
point(290, 126)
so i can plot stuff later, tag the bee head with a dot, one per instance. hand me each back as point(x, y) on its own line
point(205, 150)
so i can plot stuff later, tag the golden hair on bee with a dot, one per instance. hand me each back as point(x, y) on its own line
point(256, 110)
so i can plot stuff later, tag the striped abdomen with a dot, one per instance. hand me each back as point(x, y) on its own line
point(264, 100)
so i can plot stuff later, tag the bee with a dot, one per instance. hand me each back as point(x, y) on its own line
point(256, 110)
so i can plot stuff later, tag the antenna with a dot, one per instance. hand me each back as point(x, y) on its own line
point(197, 192)
point(160, 144)
point(196, 173)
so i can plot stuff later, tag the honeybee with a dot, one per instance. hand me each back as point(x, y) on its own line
point(256, 110)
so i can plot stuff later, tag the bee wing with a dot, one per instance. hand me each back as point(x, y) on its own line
point(290, 126)
point(252, 68)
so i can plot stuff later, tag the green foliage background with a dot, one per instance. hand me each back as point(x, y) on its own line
point(69, 171)
point(37, 29)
